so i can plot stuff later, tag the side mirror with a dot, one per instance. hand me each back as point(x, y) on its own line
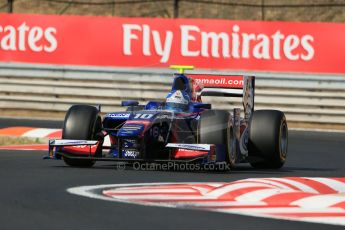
point(202, 106)
point(129, 103)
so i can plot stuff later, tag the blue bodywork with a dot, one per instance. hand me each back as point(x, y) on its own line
point(143, 132)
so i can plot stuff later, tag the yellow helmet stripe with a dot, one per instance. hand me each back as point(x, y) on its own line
point(181, 68)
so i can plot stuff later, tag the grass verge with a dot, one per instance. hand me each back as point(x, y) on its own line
point(7, 140)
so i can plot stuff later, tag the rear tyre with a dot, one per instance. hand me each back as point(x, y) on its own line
point(268, 139)
point(215, 128)
point(82, 122)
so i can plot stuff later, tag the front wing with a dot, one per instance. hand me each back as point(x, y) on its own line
point(81, 149)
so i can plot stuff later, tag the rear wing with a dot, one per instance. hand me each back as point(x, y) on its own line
point(223, 85)
point(228, 86)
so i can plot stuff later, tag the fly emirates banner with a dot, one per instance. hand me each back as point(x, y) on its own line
point(158, 43)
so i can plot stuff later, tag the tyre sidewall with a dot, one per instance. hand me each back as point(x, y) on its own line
point(82, 122)
point(215, 127)
point(265, 138)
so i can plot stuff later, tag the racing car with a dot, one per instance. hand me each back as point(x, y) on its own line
point(179, 129)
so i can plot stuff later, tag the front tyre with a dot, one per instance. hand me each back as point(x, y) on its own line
point(268, 139)
point(82, 122)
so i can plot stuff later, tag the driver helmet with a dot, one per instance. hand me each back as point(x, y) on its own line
point(177, 101)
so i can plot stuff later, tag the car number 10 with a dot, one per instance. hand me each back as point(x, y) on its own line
point(143, 116)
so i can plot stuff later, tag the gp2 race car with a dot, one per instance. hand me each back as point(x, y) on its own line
point(181, 129)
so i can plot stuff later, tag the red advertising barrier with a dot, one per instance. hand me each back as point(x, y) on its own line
point(154, 42)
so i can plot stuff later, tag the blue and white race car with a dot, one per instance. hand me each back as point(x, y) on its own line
point(181, 129)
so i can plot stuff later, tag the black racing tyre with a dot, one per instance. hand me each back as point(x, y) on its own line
point(268, 139)
point(215, 128)
point(82, 122)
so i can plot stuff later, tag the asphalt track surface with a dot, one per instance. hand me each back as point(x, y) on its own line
point(33, 191)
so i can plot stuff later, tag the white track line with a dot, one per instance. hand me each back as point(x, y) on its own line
point(260, 195)
point(321, 201)
point(297, 184)
point(333, 184)
point(317, 208)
